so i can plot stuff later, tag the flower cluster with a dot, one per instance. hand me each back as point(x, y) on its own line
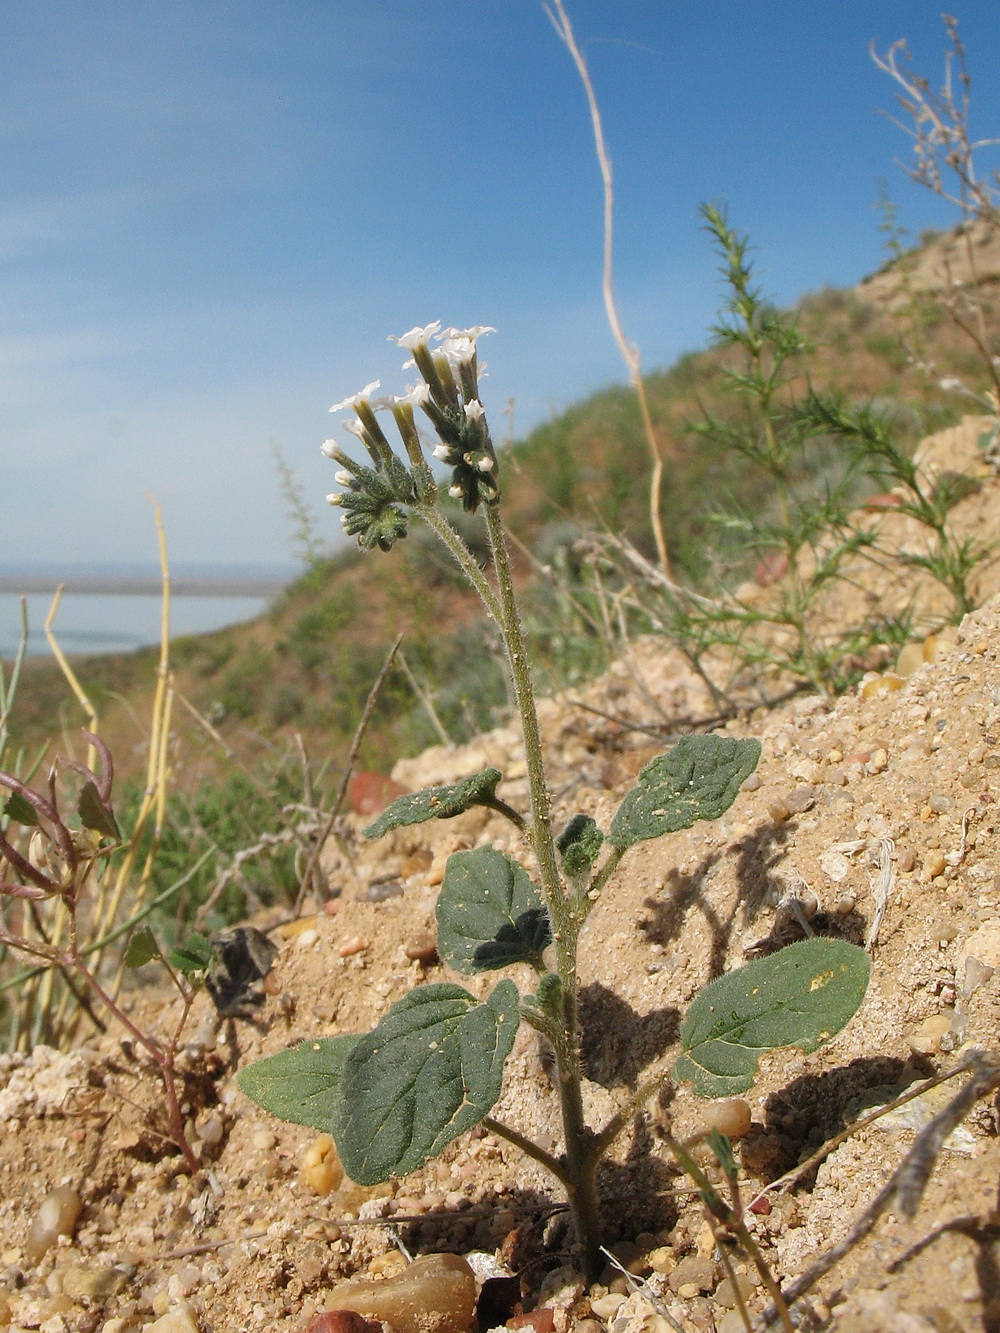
point(375, 497)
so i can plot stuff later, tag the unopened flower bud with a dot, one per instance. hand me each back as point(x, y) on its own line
point(334, 499)
point(342, 478)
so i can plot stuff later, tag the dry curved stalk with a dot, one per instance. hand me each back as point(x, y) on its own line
point(629, 350)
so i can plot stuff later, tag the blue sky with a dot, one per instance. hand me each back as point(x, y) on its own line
point(212, 214)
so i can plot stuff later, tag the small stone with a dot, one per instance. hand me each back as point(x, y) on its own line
point(934, 866)
point(342, 1321)
point(910, 659)
point(845, 904)
point(941, 803)
point(57, 1216)
point(906, 859)
point(92, 1284)
point(321, 1168)
point(435, 1294)
point(662, 1260)
point(542, 1320)
point(725, 1294)
point(926, 1037)
point(422, 950)
point(730, 1116)
point(211, 1131)
point(801, 800)
point(693, 1272)
point(879, 761)
point(885, 684)
point(180, 1318)
point(606, 1307)
point(264, 1140)
point(779, 811)
point(356, 944)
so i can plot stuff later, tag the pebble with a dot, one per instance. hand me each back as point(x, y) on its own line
point(321, 1167)
point(934, 866)
point(910, 659)
point(180, 1318)
point(435, 1294)
point(725, 1295)
point(606, 1307)
point(885, 684)
point(356, 944)
point(422, 950)
point(694, 1273)
point(926, 1037)
point(730, 1116)
point(92, 1284)
point(57, 1216)
point(801, 800)
point(380, 893)
point(264, 1140)
point(906, 860)
point(342, 1321)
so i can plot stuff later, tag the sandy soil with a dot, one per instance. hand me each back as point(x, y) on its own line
point(891, 791)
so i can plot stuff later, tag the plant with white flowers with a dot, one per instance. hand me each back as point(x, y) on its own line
point(433, 1067)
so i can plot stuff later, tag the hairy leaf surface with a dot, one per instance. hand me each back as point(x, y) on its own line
point(800, 996)
point(437, 802)
point(698, 778)
point(489, 913)
point(431, 1070)
point(300, 1084)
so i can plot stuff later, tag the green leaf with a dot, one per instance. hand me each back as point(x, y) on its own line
point(800, 996)
point(431, 1070)
point(194, 955)
point(142, 947)
point(20, 810)
point(437, 802)
point(578, 845)
point(489, 913)
point(697, 779)
point(94, 814)
point(300, 1084)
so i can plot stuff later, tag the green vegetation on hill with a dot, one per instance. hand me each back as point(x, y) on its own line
point(306, 665)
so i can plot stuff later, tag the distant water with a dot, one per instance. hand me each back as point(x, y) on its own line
point(112, 622)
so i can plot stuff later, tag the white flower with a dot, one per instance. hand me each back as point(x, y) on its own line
point(442, 451)
point(342, 478)
point(950, 383)
point(475, 411)
point(353, 427)
point(460, 344)
point(415, 336)
point(455, 492)
point(416, 395)
point(485, 464)
point(334, 499)
point(356, 398)
point(328, 447)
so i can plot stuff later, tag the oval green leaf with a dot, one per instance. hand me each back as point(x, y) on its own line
point(430, 1071)
point(300, 1084)
point(20, 810)
point(95, 815)
point(437, 802)
point(697, 779)
point(800, 996)
point(489, 913)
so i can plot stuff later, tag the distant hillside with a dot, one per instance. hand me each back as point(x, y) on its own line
point(307, 664)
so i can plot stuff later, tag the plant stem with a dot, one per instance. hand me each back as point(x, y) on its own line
point(529, 1149)
point(580, 1159)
